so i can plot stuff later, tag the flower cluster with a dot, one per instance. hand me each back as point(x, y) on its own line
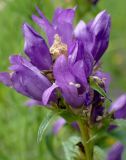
point(59, 73)
point(62, 67)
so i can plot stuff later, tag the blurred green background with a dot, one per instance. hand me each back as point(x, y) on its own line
point(18, 123)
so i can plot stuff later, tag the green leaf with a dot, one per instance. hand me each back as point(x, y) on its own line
point(70, 148)
point(43, 126)
point(99, 153)
point(94, 85)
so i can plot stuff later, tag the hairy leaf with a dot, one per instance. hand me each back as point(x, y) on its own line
point(70, 148)
point(43, 126)
point(99, 153)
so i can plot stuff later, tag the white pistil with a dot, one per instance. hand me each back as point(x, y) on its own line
point(77, 85)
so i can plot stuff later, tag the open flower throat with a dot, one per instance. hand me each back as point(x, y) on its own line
point(58, 47)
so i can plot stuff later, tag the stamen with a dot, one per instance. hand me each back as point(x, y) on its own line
point(77, 85)
point(58, 47)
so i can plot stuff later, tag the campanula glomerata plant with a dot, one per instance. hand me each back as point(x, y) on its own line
point(64, 75)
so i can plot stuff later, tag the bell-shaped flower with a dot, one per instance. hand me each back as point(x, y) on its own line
point(25, 78)
point(95, 35)
point(36, 48)
point(115, 152)
point(66, 82)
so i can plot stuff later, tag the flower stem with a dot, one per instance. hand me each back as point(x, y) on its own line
point(85, 139)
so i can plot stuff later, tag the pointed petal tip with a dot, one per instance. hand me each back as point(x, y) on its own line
point(5, 78)
point(28, 31)
point(104, 14)
point(25, 27)
point(47, 93)
point(13, 58)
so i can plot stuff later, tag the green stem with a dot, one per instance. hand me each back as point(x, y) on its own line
point(85, 139)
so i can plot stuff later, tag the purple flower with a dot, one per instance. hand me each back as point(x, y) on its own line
point(63, 19)
point(95, 35)
point(36, 48)
point(119, 107)
point(66, 82)
point(26, 77)
point(115, 153)
point(63, 65)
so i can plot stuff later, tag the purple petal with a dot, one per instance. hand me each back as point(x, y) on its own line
point(119, 107)
point(100, 29)
point(115, 153)
point(63, 78)
point(95, 35)
point(47, 93)
point(80, 30)
point(5, 78)
point(58, 125)
point(27, 79)
point(32, 102)
point(97, 106)
point(79, 73)
point(67, 35)
point(63, 15)
point(88, 97)
point(46, 25)
point(79, 53)
point(36, 48)
point(63, 18)
point(83, 33)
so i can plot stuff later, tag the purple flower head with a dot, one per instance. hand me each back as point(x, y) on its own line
point(119, 107)
point(115, 153)
point(64, 64)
